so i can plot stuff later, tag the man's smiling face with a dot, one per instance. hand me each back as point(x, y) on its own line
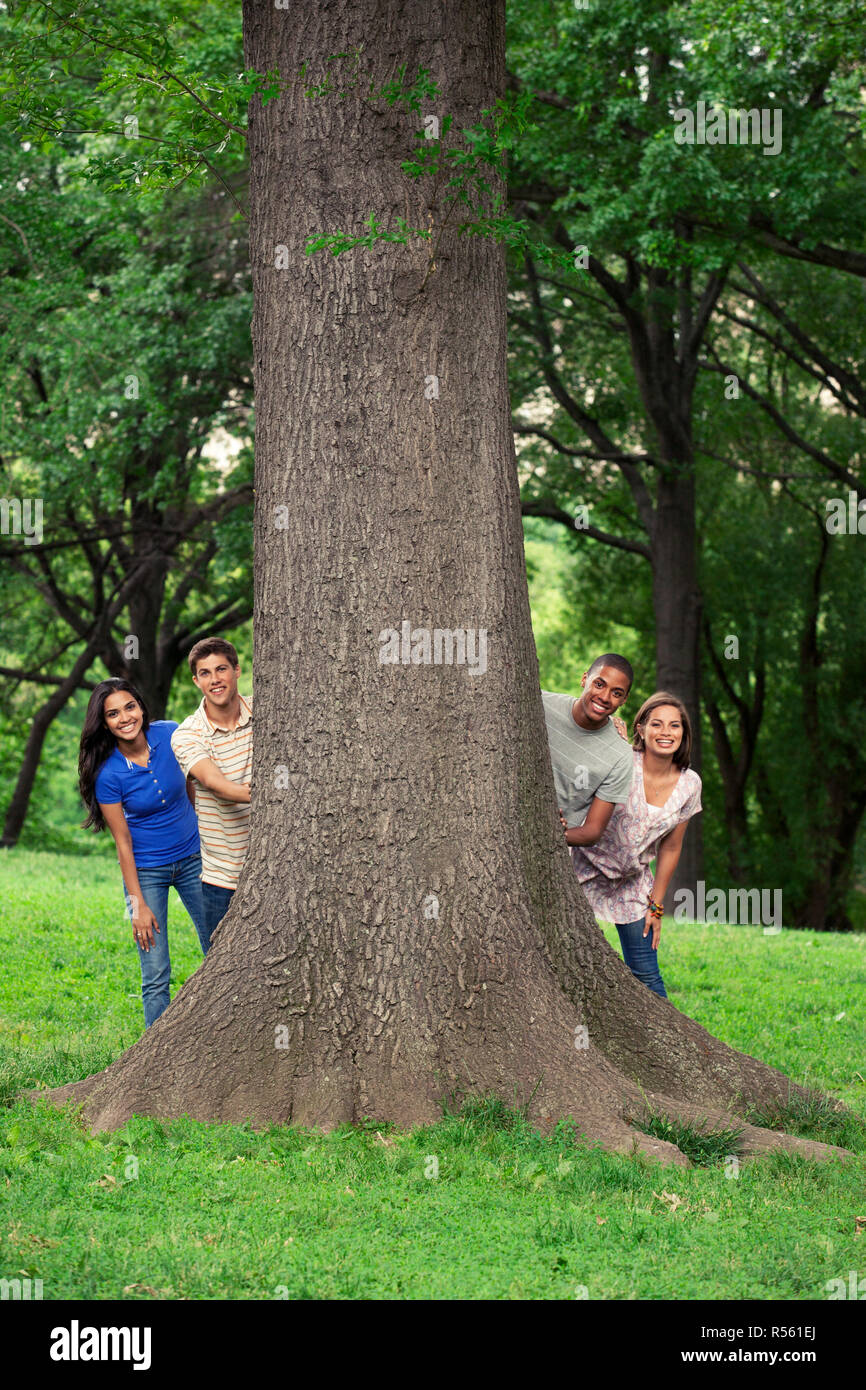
point(217, 679)
point(604, 690)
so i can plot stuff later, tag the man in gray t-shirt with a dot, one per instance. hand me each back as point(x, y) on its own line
point(592, 764)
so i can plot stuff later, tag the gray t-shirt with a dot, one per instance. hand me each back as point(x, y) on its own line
point(586, 762)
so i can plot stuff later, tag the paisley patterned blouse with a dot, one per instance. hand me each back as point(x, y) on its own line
point(615, 872)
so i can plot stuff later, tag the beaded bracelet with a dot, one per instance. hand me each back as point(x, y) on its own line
point(656, 909)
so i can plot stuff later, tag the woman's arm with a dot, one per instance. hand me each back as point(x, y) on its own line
point(666, 861)
point(143, 921)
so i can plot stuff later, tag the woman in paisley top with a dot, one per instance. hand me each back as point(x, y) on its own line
point(615, 872)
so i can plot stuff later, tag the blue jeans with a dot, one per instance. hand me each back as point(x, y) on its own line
point(639, 956)
point(216, 901)
point(185, 876)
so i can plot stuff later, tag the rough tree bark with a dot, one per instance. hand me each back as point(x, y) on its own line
point(408, 920)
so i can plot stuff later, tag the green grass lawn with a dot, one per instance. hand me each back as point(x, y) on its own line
point(475, 1206)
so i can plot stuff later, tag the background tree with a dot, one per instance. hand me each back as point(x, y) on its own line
point(658, 226)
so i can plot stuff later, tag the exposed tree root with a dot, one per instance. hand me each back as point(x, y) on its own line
point(753, 1141)
point(569, 1032)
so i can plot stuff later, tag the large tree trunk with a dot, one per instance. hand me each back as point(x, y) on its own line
point(664, 344)
point(137, 658)
point(677, 607)
point(408, 921)
point(735, 756)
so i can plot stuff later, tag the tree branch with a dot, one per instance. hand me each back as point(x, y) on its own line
point(582, 453)
point(553, 512)
point(35, 678)
point(826, 462)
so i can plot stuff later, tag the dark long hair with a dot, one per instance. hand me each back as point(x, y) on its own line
point(97, 741)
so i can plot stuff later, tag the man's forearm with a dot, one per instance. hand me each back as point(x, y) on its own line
point(582, 835)
point(224, 787)
point(207, 772)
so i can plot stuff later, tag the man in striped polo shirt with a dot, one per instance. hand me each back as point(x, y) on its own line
point(214, 747)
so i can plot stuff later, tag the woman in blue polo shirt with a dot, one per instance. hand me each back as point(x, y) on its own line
point(130, 781)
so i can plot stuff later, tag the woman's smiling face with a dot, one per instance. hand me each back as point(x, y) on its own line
point(123, 715)
point(663, 731)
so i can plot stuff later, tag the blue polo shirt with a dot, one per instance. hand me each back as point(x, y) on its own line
point(159, 813)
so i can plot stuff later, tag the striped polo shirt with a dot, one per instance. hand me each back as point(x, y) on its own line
point(224, 826)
